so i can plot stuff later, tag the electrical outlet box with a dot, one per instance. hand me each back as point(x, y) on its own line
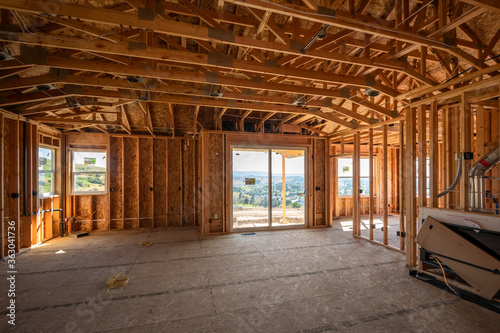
point(464, 155)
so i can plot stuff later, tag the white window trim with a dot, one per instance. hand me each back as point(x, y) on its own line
point(73, 173)
point(351, 177)
point(53, 172)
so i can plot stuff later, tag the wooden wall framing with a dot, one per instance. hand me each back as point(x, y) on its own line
point(151, 183)
point(216, 173)
point(19, 141)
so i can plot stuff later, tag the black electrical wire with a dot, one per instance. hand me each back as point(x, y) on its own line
point(468, 69)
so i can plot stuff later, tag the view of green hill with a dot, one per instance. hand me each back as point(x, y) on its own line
point(257, 195)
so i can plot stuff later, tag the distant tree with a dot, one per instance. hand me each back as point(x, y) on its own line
point(252, 200)
point(295, 205)
point(245, 201)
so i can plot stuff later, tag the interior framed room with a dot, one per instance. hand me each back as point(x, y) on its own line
point(250, 166)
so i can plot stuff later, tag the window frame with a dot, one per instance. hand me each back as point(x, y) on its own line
point(427, 176)
point(351, 177)
point(74, 173)
point(52, 172)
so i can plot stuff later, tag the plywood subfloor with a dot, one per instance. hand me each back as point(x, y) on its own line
point(289, 281)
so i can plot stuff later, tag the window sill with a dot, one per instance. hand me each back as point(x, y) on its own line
point(89, 193)
point(48, 196)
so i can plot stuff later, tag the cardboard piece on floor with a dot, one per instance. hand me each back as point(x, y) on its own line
point(438, 238)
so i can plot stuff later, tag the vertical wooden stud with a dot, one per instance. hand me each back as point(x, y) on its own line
point(401, 183)
point(356, 223)
point(371, 202)
point(433, 155)
point(411, 191)
point(422, 156)
point(385, 194)
point(466, 146)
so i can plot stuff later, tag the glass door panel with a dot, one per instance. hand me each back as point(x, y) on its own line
point(288, 187)
point(250, 188)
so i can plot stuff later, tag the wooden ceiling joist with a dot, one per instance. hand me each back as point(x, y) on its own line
point(252, 58)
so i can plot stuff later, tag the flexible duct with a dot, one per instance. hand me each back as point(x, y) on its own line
point(477, 185)
point(455, 182)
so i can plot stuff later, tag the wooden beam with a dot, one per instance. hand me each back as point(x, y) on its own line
point(242, 120)
point(211, 60)
point(455, 93)
point(337, 135)
point(489, 4)
point(53, 120)
point(196, 112)
point(410, 192)
point(422, 155)
point(465, 146)
point(401, 175)
point(425, 90)
point(385, 189)
point(433, 156)
point(124, 123)
point(345, 20)
point(356, 197)
point(147, 117)
point(371, 201)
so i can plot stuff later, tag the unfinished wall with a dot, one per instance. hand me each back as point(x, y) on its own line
point(343, 205)
point(216, 175)
point(160, 181)
point(116, 183)
point(320, 164)
point(174, 185)
point(213, 194)
point(151, 183)
point(21, 206)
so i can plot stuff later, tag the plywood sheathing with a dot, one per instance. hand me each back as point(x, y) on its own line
point(130, 184)
point(184, 119)
point(189, 177)
point(116, 183)
point(216, 176)
point(146, 200)
point(319, 182)
point(100, 219)
point(174, 183)
point(160, 180)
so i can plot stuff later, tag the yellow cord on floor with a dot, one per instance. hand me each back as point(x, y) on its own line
point(444, 275)
point(116, 281)
point(147, 244)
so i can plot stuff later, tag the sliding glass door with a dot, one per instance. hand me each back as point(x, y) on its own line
point(268, 188)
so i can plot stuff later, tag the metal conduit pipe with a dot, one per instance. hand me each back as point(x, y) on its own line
point(477, 185)
point(455, 182)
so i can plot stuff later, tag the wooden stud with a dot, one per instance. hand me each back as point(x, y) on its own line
point(433, 156)
point(410, 189)
point(371, 182)
point(385, 192)
point(401, 175)
point(356, 223)
point(422, 156)
point(466, 146)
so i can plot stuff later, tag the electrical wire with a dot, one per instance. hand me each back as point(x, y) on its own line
point(444, 275)
point(116, 281)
